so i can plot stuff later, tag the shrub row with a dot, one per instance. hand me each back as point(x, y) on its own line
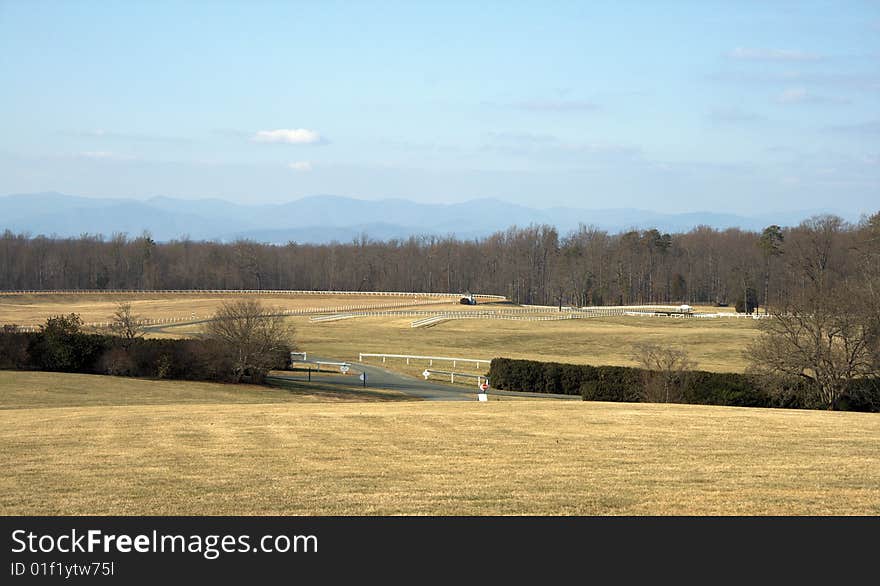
point(619, 383)
point(193, 359)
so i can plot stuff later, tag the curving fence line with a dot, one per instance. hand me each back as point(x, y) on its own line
point(430, 359)
point(427, 299)
point(241, 292)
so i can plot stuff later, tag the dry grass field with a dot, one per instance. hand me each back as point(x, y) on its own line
point(714, 344)
point(530, 457)
point(29, 390)
point(34, 309)
point(81, 444)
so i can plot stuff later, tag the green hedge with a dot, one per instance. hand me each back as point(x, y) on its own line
point(619, 383)
point(188, 359)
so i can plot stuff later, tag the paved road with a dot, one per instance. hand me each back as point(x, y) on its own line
point(385, 379)
point(415, 387)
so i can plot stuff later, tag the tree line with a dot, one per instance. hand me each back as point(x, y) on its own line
point(242, 343)
point(534, 264)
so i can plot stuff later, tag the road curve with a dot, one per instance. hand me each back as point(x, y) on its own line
point(382, 378)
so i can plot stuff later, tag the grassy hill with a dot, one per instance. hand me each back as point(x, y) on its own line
point(256, 451)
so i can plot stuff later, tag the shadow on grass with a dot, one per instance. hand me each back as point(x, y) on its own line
point(335, 391)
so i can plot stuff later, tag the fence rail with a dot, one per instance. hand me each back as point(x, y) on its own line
point(240, 292)
point(430, 359)
point(452, 375)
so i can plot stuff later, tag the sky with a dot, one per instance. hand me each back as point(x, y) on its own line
point(744, 107)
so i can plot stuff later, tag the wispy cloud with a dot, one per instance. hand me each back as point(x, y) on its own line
point(870, 127)
point(289, 136)
point(734, 116)
point(523, 137)
point(802, 96)
point(529, 144)
point(300, 166)
point(100, 133)
point(104, 155)
point(556, 105)
point(757, 54)
point(832, 81)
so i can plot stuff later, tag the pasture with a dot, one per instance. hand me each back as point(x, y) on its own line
point(227, 454)
point(714, 344)
point(84, 444)
point(29, 390)
point(33, 309)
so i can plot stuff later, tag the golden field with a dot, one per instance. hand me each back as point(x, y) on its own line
point(229, 455)
point(83, 444)
point(717, 345)
point(28, 390)
point(34, 309)
point(714, 344)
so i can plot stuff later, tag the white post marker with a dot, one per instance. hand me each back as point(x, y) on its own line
point(344, 369)
point(426, 374)
point(482, 396)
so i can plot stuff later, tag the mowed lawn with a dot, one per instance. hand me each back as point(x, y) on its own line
point(34, 309)
point(529, 457)
point(714, 344)
point(27, 390)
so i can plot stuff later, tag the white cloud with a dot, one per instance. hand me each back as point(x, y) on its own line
point(288, 135)
point(802, 96)
point(527, 137)
point(301, 166)
point(733, 115)
point(793, 96)
point(105, 156)
point(556, 105)
point(752, 54)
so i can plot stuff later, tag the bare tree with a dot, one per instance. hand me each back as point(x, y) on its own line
point(826, 342)
point(126, 325)
point(770, 244)
point(257, 339)
point(666, 369)
point(824, 333)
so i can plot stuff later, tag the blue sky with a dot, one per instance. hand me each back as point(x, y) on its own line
point(677, 106)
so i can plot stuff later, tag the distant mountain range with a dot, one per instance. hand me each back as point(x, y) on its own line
point(327, 218)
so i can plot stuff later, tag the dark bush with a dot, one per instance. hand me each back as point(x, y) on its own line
point(862, 396)
point(61, 345)
point(618, 383)
point(66, 349)
point(14, 349)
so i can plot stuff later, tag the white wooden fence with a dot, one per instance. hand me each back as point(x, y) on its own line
point(241, 292)
point(452, 375)
point(476, 361)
